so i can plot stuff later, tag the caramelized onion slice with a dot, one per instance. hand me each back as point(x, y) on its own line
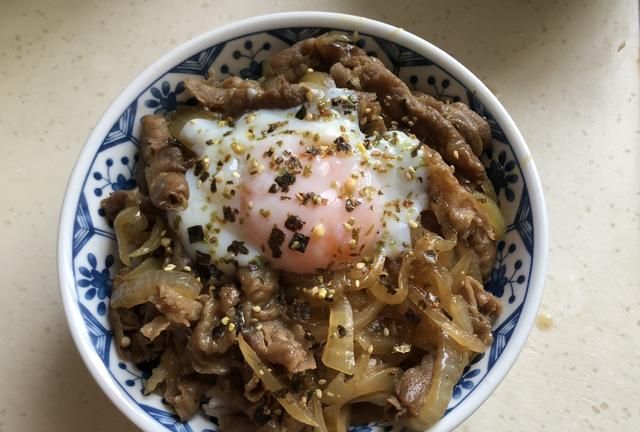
point(128, 225)
point(273, 384)
point(338, 352)
point(137, 291)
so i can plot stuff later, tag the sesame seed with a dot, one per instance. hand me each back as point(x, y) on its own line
point(250, 205)
point(309, 70)
point(413, 224)
point(350, 186)
point(169, 267)
point(322, 293)
point(318, 230)
point(319, 393)
point(165, 241)
point(225, 320)
point(265, 213)
point(125, 342)
point(186, 268)
point(370, 349)
point(385, 331)
point(261, 372)
point(258, 326)
point(348, 226)
point(314, 290)
point(367, 110)
point(360, 265)
point(322, 381)
point(236, 174)
point(256, 308)
point(456, 154)
point(330, 394)
point(357, 283)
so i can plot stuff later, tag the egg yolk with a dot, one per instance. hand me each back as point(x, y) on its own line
point(321, 221)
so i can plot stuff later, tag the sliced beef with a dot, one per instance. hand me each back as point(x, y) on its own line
point(164, 165)
point(313, 53)
point(458, 211)
point(276, 344)
point(229, 299)
point(210, 336)
point(403, 107)
point(177, 308)
point(370, 114)
point(488, 304)
point(259, 284)
point(235, 96)
point(413, 385)
point(119, 200)
point(474, 129)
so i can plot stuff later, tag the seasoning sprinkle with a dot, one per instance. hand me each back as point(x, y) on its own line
point(237, 247)
point(318, 230)
point(169, 267)
point(294, 223)
point(264, 213)
point(342, 332)
point(276, 238)
point(302, 112)
point(196, 233)
point(298, 242)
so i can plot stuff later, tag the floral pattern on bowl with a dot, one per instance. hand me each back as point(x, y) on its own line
point(113, 166)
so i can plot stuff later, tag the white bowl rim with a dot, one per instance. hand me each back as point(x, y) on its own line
point(306, 19)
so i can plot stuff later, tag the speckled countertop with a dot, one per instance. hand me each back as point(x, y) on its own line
point(568, 72)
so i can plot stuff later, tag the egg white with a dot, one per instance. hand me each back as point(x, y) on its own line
point(231, 153)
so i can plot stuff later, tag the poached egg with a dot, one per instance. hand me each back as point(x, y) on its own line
point(302, 188)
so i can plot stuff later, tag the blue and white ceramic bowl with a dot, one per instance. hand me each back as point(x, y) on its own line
point(86, 243)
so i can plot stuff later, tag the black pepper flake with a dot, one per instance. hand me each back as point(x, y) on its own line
point(202, 258)
point(285, 180)
point(203, 176)
point(228, 214)
point(214, 186)
point(301, 311)
point(414, 151)
point(342, 332)
point(302, 112)
point(199, 168)
point(299, 242)
point(313, 151)
point(351, 204)
point(196, 233)
point(237, 247)
point(218, 331)
point(274, 188)
point(384, 280)
point(260, 416)
point(268, 153)
point(276, 238)
point(294, 223)
point(341, 144)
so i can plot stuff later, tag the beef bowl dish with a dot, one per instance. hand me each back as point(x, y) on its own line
point(302, 228)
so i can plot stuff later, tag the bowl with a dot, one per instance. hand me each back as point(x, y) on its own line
point(86, 243)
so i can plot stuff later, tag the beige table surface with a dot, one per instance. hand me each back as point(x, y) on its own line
point(568, 72)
